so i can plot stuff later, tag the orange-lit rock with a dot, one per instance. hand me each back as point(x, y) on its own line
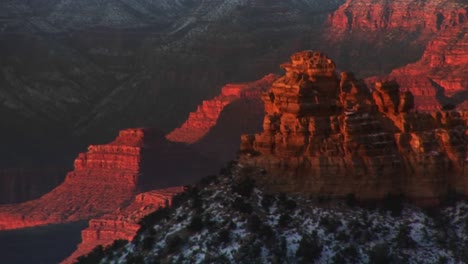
point(205, 117)
point(123, 222)
point(328, 135)
point(386, 34)
point(405, 15)
point(107, 177)
point(440, 77)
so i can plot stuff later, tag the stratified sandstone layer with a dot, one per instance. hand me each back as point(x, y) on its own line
point(440, 77)
point(406, 15)
point(108, 176)
point(123, 222)
point(330, 135)
point(206, 116)
point(387, 34)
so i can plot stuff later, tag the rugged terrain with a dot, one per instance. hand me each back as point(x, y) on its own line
point(222, 220)
point(123, 223)
point(108, 177)
point(329, 135)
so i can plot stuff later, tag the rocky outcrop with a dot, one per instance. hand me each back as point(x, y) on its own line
point(107, 177)
point(206, 116)
point(329, 135)
point(123, 222)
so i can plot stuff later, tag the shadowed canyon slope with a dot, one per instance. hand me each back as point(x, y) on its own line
point(107, 177)
point(330, 135)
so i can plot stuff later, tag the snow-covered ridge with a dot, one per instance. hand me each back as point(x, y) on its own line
point(222, 221)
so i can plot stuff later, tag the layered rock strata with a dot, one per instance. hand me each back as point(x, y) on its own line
point(107, 177)
point(123, 222)
point(440, 77)
point(199, 123)
point(403, 15)
point(332, 136)
point(387, 34)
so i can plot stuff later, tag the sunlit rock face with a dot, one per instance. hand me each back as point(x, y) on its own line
point(122, 223)
point(199, 123)
point(326, 134)
point(439, 79)
point(385, 33)
point(107, 177)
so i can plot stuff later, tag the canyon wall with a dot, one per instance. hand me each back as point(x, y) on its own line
point(387, 34)
point(123, 222)
point(108, 176)
point(199, 123)
point(439, 79)
point(332, 136)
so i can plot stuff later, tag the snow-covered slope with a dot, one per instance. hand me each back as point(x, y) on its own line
point(227, 221)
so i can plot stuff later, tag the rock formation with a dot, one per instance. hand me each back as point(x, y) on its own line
point(387, 34)
point(402, 15)
point(439, 78)
point(205, 117)
point(107, 177)
point(330, 135)
point(123, 222)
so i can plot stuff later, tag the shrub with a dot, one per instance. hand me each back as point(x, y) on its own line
point(309, 249)
point(244, 187)
point(92, 258)
point(173, 243)
point(196, 224)
point(224, 236)
point(404, 239)
point(154, 218)
point(379, 254)
point(350, 200)
point(242, 206)
point(148, 243)
point(267, 201)
point(393, 203)
point(254, 223)
point(330, 224)
point(120, 243)
point(205, 181)
point(284, 220)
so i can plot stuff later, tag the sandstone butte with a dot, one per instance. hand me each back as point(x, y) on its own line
point(121, 223)
point(106, 178)
point(199, 123)
point(330, 135)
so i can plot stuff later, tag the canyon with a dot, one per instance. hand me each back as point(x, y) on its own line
point(326, 135)
point(109, 176)
point(151, 70)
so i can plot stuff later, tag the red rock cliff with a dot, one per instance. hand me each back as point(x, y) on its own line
point(386, 34)
point(123, 222)
point(206, 116)
point(328, 135)
point(440, 77)
point(406, 15)
point(108, 176)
